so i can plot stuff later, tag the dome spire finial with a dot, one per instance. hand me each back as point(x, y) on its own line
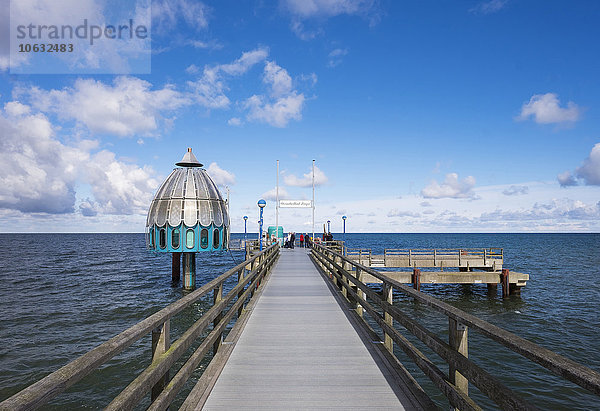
point(189, 160)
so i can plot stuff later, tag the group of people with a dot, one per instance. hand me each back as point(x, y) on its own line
point(290, 240)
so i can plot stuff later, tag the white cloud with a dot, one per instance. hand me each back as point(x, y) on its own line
point(545, 109)
point(245, 62)
point(336, 56)
point(300, 30)
point(41, 174)
point(516, 190)
point(588, 173)
point(209, 90)
point(425, 204)
point(220, 177)
point(327, 8)
point(118, 187)
point(88, 208)
point(168, 14)
point(37, 172)
point(283, 105)
point(272, 194)
point(310, 78)
point(126, 108)
point(450, 188)
point(210, 45)
point(278, 113)
point(318, 10)
point(489, 6)
point(401, 213)
point(554, 210)
point(278, 79)
point(192, 69)
point(566, 179)
point(234, 121)
point(306, 179)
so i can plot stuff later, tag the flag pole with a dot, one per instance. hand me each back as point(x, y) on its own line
point(313, 200)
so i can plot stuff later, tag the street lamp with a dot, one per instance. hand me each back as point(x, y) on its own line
point(328, 226)
point(261, 204)
point(344, 220)
point(245, 230)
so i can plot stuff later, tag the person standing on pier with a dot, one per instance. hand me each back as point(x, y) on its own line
point(292, 240)
point(301, 241)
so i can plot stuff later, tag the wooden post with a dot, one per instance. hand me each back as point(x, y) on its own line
point(240, 279)
point(189, 271)
point(388, 295)
point(458, 339)
point(505, 283)
point(345, 266)
point(176, 267)
point(416, 279)
point(217, 297)
point(492, 289)
point(337, 261)
point(160, 344)
point(359, 307)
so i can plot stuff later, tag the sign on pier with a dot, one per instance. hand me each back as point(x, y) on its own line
point(295, 203)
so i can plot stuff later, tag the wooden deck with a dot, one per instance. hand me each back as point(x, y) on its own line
point(299, 350)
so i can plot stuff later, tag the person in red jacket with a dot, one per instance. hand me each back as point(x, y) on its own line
point(301, 240)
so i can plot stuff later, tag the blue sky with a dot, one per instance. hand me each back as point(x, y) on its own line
point(422, 116)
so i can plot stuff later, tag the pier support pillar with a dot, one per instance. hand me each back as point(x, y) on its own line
point(176, 267)
point(505, 283)
point(189, 271)
point(416, 279)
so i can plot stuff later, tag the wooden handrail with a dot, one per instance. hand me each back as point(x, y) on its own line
point(336, 266)
point(39, 393)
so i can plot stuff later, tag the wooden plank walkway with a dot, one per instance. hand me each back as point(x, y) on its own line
point(300, 351)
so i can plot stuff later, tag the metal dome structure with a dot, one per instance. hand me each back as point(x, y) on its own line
point(188, 213)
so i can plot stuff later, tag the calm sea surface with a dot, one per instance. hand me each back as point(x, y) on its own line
point(64, 294)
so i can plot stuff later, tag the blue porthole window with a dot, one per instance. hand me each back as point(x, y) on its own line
point(190, 239)
point(216, 238)
point(162, 238)
point(204, 238)
point(175, 238)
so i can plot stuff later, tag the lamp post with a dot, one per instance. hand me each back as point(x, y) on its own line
point(261, 204)
point(344, 220)
point(328, 226)
point(245, 230)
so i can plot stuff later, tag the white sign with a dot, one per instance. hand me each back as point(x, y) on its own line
point(295, 203)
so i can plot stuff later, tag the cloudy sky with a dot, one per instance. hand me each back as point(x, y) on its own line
point(422, 116)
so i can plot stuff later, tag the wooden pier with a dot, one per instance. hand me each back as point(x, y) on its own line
point(307, 335)
point(299, 350)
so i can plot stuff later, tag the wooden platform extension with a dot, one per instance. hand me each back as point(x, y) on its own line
point(452, 277)
point(299, 350)
point(486, 259)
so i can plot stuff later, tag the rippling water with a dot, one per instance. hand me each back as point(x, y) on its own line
point(64, 294)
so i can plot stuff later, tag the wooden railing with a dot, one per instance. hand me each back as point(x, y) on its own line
point(155, 378)
point(346, 275)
